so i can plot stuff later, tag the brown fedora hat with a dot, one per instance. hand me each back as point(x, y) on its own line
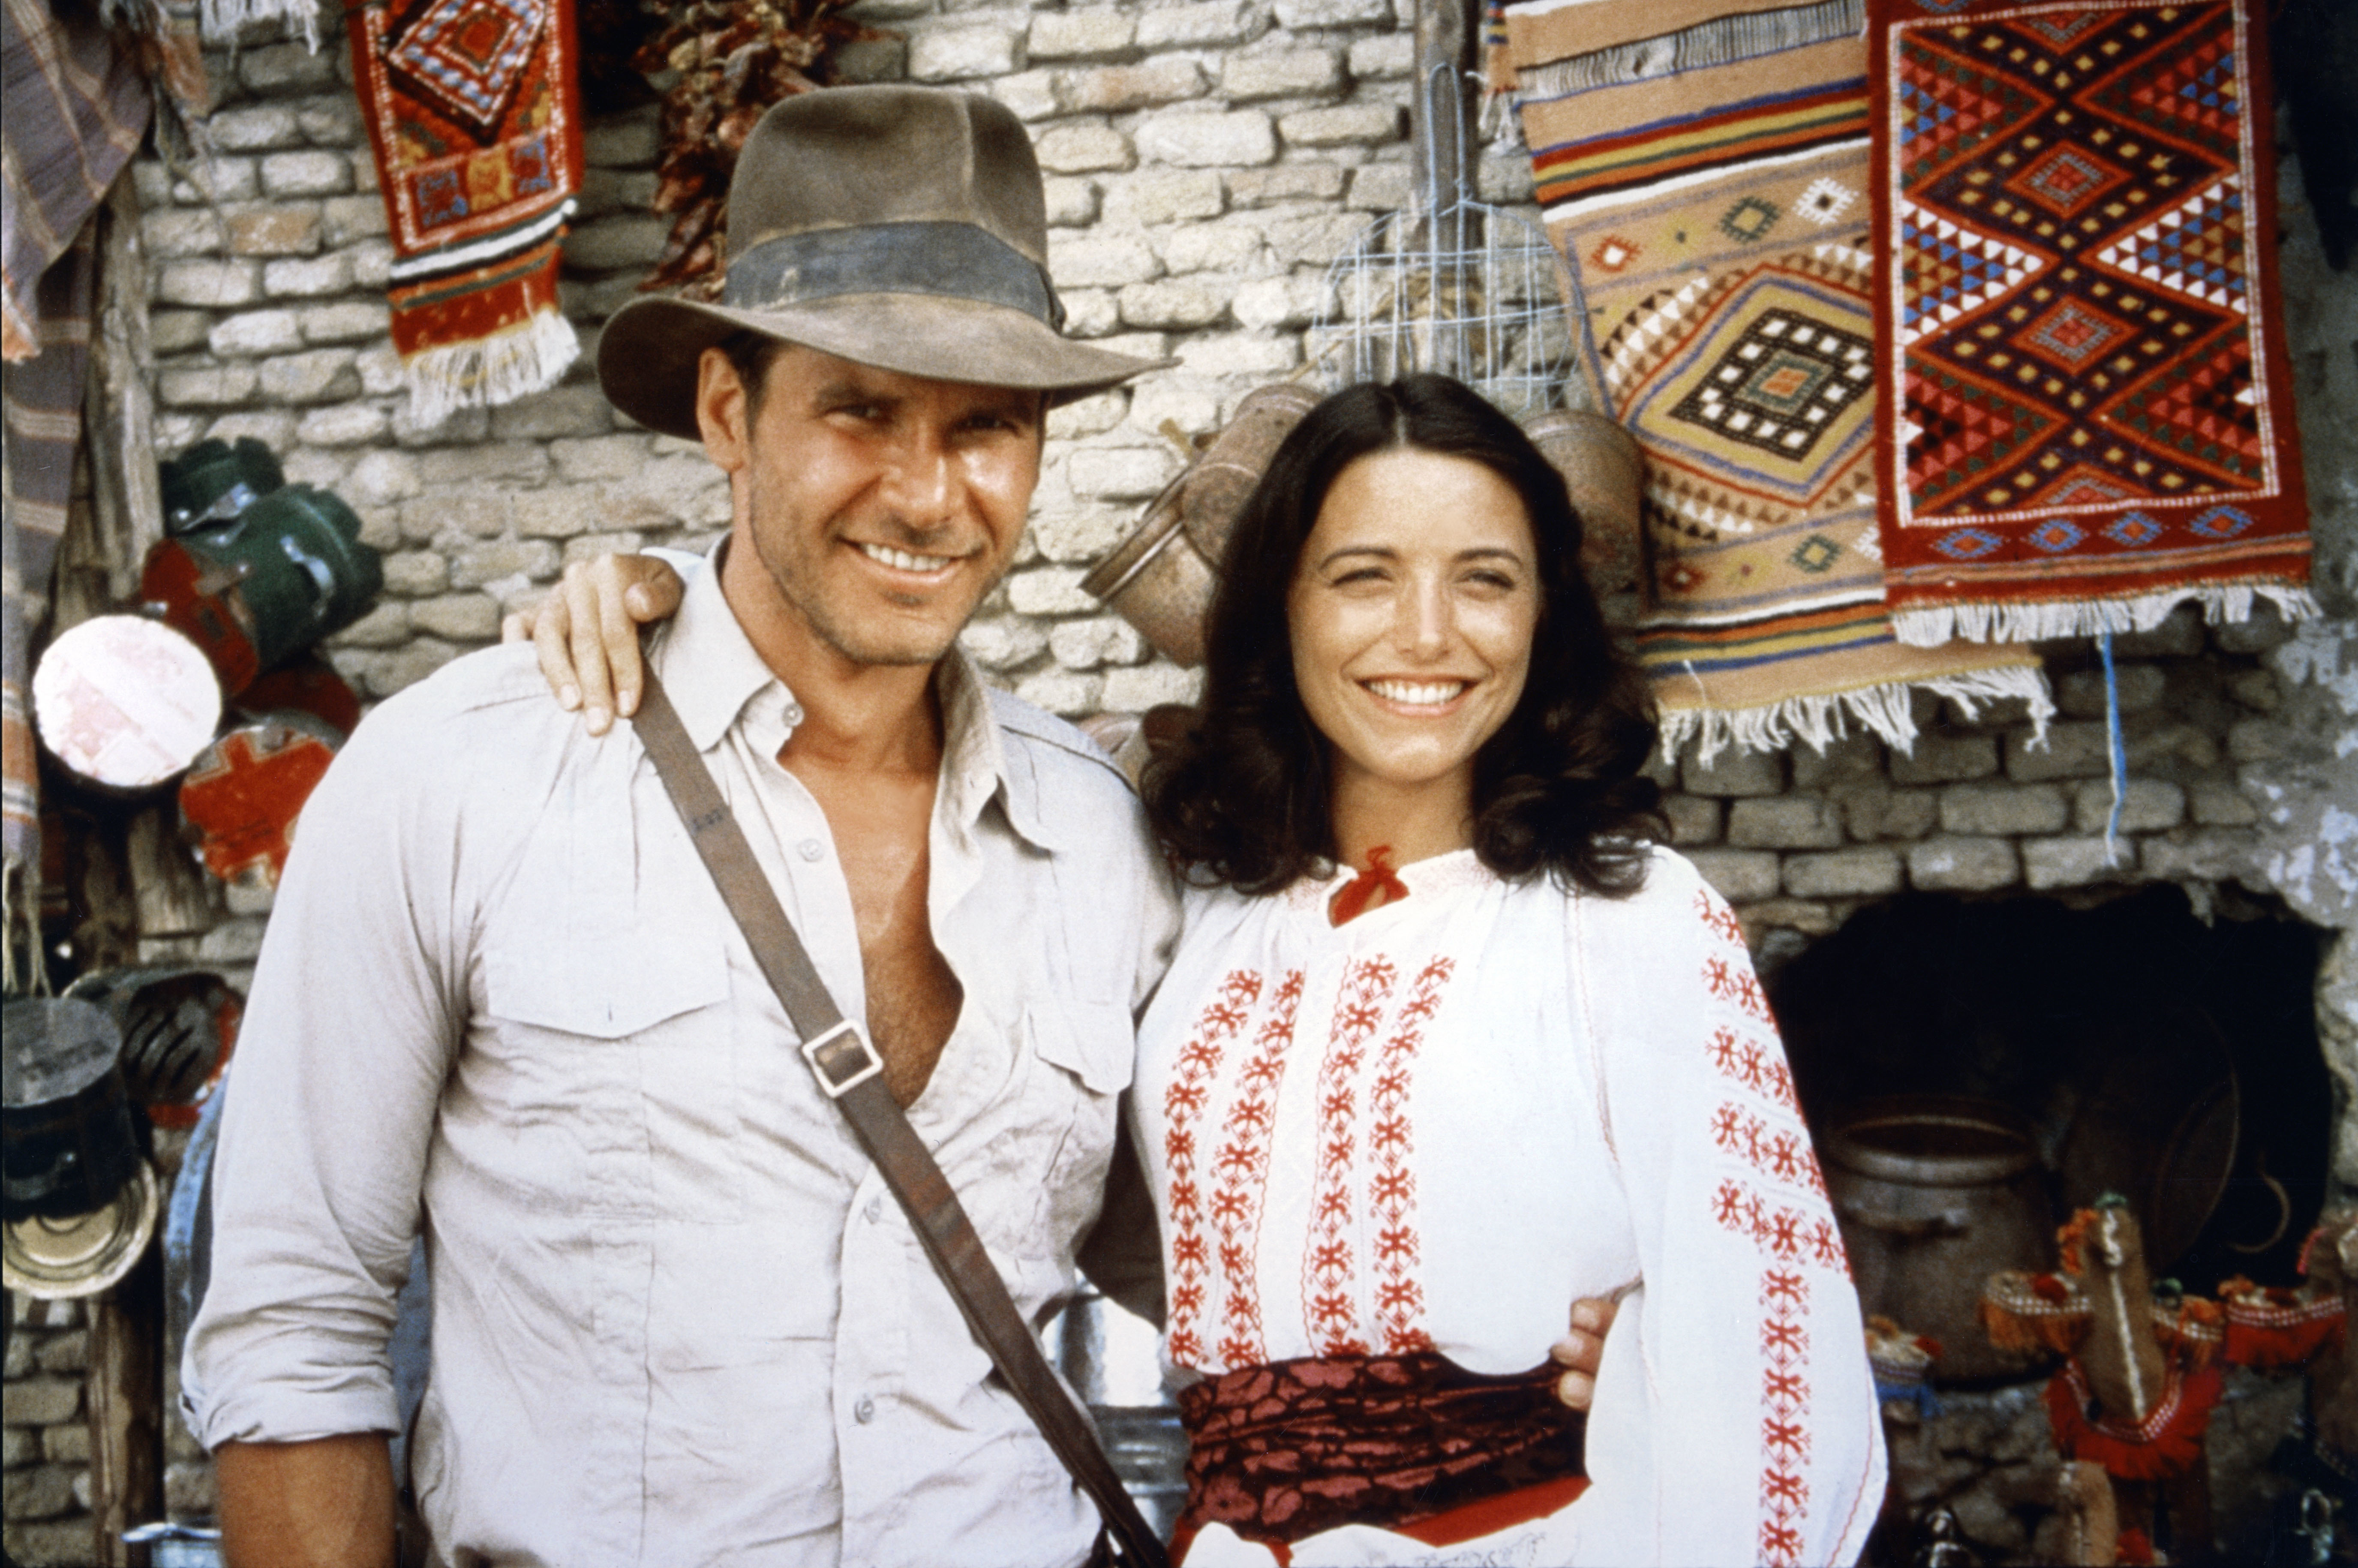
point(900, 227)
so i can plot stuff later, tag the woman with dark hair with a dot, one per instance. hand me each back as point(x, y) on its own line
point(1449, 1042)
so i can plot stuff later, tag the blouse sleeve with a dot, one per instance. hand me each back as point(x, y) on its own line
point(1735, 1419)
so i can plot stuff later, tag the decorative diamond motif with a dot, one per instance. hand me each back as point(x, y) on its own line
point(1825, 201)
point(468, 55)
point(1779, 386)
point(2134, 529)
point(2055, 535)
point(1613, 253)
point(1949, 270)
point(1967, 544)
point(1749, 218)
point(2074, 335)
point(2222, 523)
point(2067, 180)
point(2196, 250)
point(1816, 554)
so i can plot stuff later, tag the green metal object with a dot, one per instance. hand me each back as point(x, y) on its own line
point(297, 558)
point(213, 482)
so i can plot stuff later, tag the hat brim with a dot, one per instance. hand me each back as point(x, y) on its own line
point(648, 354)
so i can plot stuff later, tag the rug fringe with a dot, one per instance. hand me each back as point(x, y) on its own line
point(490, 371)
point(1930, 626)
point(221, 20)
point(1723, 40)
point(1821, 720)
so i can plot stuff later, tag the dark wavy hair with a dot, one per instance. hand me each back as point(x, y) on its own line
point(1241, 800)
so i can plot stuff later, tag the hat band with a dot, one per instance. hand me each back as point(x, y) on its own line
point(955, 261)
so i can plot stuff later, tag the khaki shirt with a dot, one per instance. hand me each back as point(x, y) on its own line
point(678, 1317)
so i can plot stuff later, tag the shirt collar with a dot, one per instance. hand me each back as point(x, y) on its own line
point(716, 679)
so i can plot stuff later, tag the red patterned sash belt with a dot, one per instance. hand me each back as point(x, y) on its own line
point(1413, 1443)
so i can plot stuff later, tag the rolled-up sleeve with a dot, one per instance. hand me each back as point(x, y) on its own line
point(347, 1042)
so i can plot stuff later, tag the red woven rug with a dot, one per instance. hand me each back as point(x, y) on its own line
point(2087, 414)
point(474, 112)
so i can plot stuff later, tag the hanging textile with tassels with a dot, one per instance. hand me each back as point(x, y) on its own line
point(1701, 169)
point(2087, 414)
point(474, 112)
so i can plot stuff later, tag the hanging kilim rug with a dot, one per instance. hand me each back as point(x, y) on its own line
point(1707, 189)
point(473, 111)
point(2089, 415)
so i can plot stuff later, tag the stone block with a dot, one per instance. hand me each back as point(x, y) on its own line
point(254, 127)
point(1179, 303)
point(588, 547)
point(1312, 182)
point(331, 120)
point(1241, 353)
point(213, 285)
point(1093, 33)
point(1695, 818)
point(1962, 865)
point(1873, 812)
point(598, 456)
point(1082, 150)
point(477, 564)
point(2256, 741)
point(312, 173)
point(172, 231)
point(1102, 263)
point(1784, 822)
point(2180, 636)
point(1092, 415)
point(1281, 73)
point(1851, 760)
point(968, 53)
point(1050, 590)
point(1731, 771)
point(44, 1491)
point(206, 386)
point(1505, 181)
point(461, 616)
point(273, 428)
point(289, 231)
point(1090, 313)
point(1195, 140)
point(345, 424)
point(346, 219)
point(1143, 687)
point(1182, 403)
point(1292, 302)
point(574, 409)
point(2203, 854)
point(381, 478)
point(1783, 914)
point(2258, 690)
point(275, 69)
point(605, 191)
point(2214, 804)
point(253, 332)
point(626, 141)
point(347, 321)
point(1385, 56)
point(176, 331)
point(31, 1312)
point(384, 626)
point(395, 672)
point(40, 1401)
point(2003, 809)
point(1071, 203)
point(1296, 15)
point(151, 182)
point(1380, 188)
point(68, 1445)
point(1122, 89)
point(2080, 694)
point(188, 1489)
point(1863, 871)
point(413, 574)
point(2074, 862)
point(322, 375)
point(65, 1352)
point(1232, 247)
point(625, 240)
point(1742, 876)
point(1345, 126)
point(1937, 758)
point(1003, 641)
point(1077, 535)
point(1119, 473)
point(307, 466)
point(1086, 644)
point(219, 179)
point(2264, 631)
point(558, 512)
point(2074, 751)
point(1314, 242)
point(482, 462)
point(1212, 26)
point(19, 1445)
point(1165, 196)
point(1067, 693)
point(2148, 806)
point(309, 277)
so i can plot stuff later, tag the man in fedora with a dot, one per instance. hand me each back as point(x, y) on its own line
point(676, 1316)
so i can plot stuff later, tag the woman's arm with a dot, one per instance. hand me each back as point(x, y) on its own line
point(587, 632)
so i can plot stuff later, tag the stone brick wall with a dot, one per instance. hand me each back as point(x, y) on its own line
point(1205, 162)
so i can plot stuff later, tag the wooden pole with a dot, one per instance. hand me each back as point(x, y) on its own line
point(125, 1398)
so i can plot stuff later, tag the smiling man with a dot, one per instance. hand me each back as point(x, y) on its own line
point(676, 1316)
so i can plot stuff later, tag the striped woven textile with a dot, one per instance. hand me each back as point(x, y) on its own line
point(1701, 165)
point(2088, 416)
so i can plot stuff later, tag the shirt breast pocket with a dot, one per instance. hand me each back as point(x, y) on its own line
point(1084, 1054)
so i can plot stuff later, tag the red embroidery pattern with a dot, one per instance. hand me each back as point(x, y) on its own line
point(1731, 980)
point(1392, 1189)
point(1784, 1155)
point(1759, 1065)
point(1183, 1105)
point(1243, 1166)
point(1781, 1232)
point(1714, 912)
point(1327, 1264)
point(1784, 1416)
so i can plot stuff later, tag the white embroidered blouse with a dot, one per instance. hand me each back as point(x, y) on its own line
point(1438, 1125)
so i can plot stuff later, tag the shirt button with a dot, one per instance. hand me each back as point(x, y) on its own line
point(810, 849)
point(875, 1211)
point(865, 1410)
point(793, 714)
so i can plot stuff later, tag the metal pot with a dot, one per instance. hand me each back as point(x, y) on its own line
point(1604, 472)
point(1934, 1194)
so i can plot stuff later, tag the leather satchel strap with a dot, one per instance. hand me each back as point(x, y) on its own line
point(851, 1073)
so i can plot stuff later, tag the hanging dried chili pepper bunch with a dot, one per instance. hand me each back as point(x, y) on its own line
point(735, 59)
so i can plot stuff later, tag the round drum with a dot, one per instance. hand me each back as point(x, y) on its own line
point(124, 702)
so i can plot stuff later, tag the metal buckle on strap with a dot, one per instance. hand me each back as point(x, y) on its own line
point(842, 1059)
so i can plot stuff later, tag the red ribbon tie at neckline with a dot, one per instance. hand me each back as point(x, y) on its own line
point(1358, 895)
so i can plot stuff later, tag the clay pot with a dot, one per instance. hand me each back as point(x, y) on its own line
point(1934, 1194)
point(1217, 486)
point(1605, 473)
point(1159, 581)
